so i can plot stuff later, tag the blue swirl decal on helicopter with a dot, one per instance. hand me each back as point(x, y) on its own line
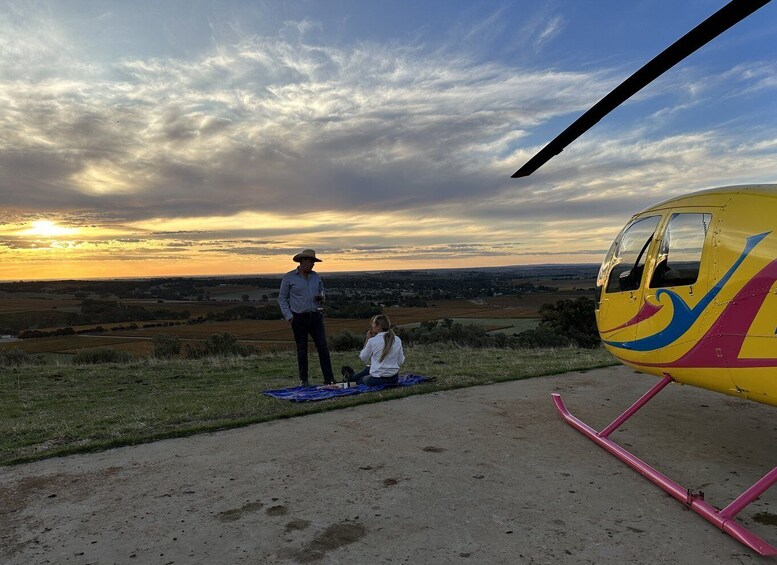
point(684, 317)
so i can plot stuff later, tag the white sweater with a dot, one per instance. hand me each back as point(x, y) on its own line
point(372, 351)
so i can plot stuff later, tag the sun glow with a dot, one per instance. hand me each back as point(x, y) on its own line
point(47, 228)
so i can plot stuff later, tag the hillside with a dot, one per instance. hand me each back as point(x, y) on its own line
point(51, 410)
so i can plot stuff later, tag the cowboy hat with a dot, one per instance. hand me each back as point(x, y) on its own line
point(306, 254)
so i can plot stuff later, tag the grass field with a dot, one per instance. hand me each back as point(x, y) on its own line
point(51, 410)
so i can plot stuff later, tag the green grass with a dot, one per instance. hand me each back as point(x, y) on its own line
point(53, 410)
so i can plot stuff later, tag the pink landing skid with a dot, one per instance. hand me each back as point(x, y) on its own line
point(722, 519)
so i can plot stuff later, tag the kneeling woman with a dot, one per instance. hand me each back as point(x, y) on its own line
point(383, 354)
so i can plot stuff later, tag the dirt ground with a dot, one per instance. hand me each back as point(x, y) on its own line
point(481, 475)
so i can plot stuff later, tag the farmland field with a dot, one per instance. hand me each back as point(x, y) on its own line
point(11, 304)
point(507, 326)
point(264, 333)
point(47, 311)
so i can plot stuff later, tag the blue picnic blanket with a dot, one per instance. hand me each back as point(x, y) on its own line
point(321, 392)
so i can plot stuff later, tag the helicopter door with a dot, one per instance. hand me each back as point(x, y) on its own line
point(678, 284)
point(621, 277)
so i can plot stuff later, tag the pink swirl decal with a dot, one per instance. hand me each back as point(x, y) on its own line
point(726, 336)
point(648, 310)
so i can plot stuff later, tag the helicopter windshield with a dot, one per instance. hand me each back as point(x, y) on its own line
point(622, 267)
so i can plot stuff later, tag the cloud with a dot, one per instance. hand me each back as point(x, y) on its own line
point(255, 146)
point(552, 28)
point(268, 124)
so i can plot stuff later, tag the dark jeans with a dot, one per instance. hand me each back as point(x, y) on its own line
point(311, 323)
point(363, 378)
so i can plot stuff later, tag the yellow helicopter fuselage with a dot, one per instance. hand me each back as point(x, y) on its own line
point(688, 289)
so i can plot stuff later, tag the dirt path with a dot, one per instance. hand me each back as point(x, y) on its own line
point(481, 475)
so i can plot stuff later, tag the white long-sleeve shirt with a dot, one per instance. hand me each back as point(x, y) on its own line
point(372, 351)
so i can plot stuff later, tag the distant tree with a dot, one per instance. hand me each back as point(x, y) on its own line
point(346, 341)
point(246, 298)
point(100, 356)
point(219, 345)
point(574, 319)
point(540, 337)
point(166, 346)
point(222, 344)
point(564, 324)
point(15, 356)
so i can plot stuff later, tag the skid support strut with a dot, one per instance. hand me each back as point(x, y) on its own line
point(722, 519)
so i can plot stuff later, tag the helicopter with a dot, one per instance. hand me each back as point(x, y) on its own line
point(687, 289)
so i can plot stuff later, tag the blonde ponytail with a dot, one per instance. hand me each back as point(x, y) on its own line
point(388, 339)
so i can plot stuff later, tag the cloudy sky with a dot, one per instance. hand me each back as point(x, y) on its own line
point(165, 137)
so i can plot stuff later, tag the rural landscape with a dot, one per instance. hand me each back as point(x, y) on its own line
point(55, 320)
point(455, 171)
point(86, 365)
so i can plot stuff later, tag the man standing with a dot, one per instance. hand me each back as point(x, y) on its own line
point(301, 296)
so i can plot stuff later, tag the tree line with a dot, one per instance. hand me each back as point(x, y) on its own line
point(568, 323)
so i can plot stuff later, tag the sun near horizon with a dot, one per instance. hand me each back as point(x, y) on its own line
point(54, 248)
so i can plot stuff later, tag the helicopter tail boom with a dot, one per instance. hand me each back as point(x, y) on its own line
point(722, 519)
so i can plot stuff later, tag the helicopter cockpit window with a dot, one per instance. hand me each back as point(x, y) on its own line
point(626, 258)
point(679, 255)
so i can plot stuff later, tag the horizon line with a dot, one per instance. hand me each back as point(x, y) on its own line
point(273, 275)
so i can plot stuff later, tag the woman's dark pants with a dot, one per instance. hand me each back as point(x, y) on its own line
point(363, 378)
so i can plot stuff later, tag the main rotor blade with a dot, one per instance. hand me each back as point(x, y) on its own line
point(729, 15)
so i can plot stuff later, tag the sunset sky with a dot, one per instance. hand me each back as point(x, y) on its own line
point(146, 138)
